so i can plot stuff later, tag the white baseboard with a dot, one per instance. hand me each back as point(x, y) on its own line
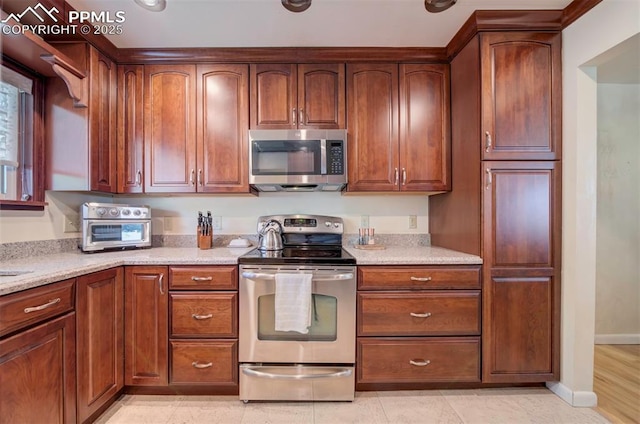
point(617, 339)
point(577, 399)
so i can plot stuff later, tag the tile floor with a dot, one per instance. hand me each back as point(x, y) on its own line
point(509, 406)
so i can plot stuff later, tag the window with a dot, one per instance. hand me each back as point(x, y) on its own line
point(21, 144)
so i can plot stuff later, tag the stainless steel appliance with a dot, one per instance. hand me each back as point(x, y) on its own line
point(316, 364)
point(298, 160)
point(271, 236)
point(107, 226)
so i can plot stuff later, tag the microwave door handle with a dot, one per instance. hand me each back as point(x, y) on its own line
point(323, 156)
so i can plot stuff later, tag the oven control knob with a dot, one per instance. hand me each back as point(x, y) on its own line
point(336, 225)
point(101, 211)
point(327, 224)
point(126, 212)
point(137, 212)
point(114, 212)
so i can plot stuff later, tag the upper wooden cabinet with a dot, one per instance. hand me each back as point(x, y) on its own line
point(398, 124)
point(195, 124)
point(82, 140)
point(222, 123)
point(286, 96)
point(521, 96)
point(130, 129)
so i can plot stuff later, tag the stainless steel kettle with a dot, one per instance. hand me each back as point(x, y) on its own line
point(271, 236)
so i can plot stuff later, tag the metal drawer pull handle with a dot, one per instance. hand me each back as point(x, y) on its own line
point(160, 283)
point(41, 307)
point(420, 278)
point(201, 278)
point(425, 315)
point(262, 374)
point(419, 362)
point(197, 365)
point(196, 316)
point(265, 276)
point(487, 135)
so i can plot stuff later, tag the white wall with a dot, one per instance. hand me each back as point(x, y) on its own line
point(388, 213)
point(606, 25)
point(618, 226)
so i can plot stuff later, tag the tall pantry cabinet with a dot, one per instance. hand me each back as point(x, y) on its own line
point(505, 203)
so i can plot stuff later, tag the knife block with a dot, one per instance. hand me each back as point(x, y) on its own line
point(204, 241)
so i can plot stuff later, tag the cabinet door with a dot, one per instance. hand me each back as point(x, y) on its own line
point(102, 119)
point(521, 294)
point(38, 374)
point(424, 128)
point(100, 339)
point(273, 96)
point(372, 120)
point(170, 128)
point(146, 326)
point(521, 96)
point(130, 128)
point(321, 96)
point(222, 149)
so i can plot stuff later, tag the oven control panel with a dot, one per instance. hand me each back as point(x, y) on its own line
point(308, 224)
point(114, 211)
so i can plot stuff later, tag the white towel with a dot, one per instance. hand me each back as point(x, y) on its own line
point(293, 302)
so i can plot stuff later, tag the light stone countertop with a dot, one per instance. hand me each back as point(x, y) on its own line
point(415, 255)
point(48, 269)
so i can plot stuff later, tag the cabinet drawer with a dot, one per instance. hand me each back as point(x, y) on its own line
point(203, 277)
point(201, 314)
point(418, 360)
point(204, 362)
point(21, 309)
point(418, 277)
point(419, 314)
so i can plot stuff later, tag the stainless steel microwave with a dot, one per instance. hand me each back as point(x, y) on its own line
point(298, 160)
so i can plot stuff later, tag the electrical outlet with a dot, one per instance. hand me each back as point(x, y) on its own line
point(71, 223)
point(217, 223)
point(413, 222)
point(364, 221)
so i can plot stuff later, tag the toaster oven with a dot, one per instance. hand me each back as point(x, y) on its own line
point(107, 226)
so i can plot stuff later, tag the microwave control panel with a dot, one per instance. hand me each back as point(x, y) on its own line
point(335, 158)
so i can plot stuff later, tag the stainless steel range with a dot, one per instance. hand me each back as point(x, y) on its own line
point(298, 314)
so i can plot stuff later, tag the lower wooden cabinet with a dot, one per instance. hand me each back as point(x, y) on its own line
point(208, 362)
point(203, 332)
point(38, 374)
point(418, 325)
point(418, 360)
point(100, 340)
point(146, 326)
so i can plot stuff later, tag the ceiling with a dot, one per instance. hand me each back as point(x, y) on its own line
point(266, 23)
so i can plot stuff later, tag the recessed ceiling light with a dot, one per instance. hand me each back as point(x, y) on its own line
point(296, 5)
point(153, 5)
point(435, 6)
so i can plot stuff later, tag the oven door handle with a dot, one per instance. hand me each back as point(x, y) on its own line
point(345, 372)
point(266, 276)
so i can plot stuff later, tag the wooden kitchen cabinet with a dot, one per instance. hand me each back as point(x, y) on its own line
point(130, 129)
point(100, 340)
point(146, 326)
point(508, 211)
point(521, 294)
point(222, 123)
point(170, 128)
point(38, 356)
point(398, 123)
point(203, 333)
point(289, 96)
point(81, 140)
point(417, 325)
point(521, 96)
point(195, 128)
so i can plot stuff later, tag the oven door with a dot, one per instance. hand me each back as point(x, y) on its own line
point(331, 337)
point(101, 234)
